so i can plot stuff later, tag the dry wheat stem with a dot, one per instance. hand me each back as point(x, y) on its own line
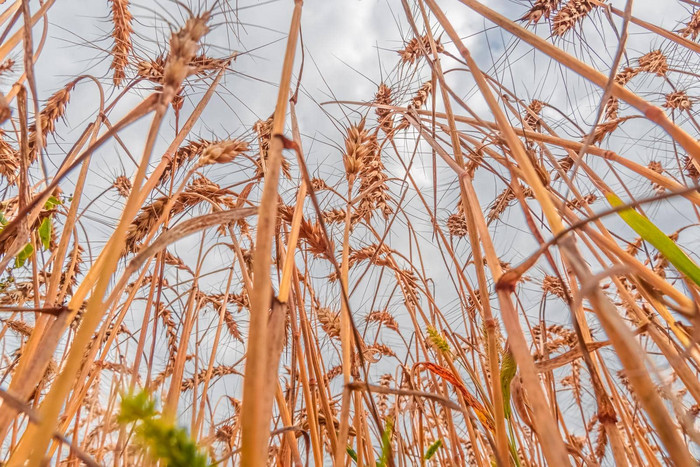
point(257, 391)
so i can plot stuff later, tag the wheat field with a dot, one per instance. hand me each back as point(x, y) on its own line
point(416, 232)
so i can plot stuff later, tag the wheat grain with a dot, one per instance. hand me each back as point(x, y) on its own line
point(7, 66)
point(540, 9)
point(502, 201)
point(376, 254)
point(318, 184)
point(373, 186)
point(571, 14)
point(330, 322)
point(553, 285)
point(217, 372)
point(654, 62)
point(183, 48)
point(692, 28)
point(55, 109)
point(315, 238)
point(222, 152)
point(264, 131)
point(154, 69)
point(690, 169)
point(334, 216)
point(656, 166)
point(20, 327)
point(602, 130)
point(532, 115)
point(416, 48)
point(385, 117)
point(678, 100)
point(359, 145)
point(457, 224)
point(9, 162)
point(384, 318)
point(121, 33)
point(417, 102)
point(578, 203)
point(122, 185)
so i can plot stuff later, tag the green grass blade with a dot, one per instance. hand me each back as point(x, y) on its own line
point(386, 443)
point(351, 452)
point(45, 230)
point(508, 370)
point(652, 234)
point(165, 442)
point(432, 449)
point(24, 255)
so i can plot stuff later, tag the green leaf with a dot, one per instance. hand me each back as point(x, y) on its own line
point(386, 443)
point(652, 234)
point(165, 442)
point(432, 449)
point(52, 202)
point(136, 407)
point(45, 233)
point(24, 255)
point(170, 444)
point(351, 452)
point(508, 369)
